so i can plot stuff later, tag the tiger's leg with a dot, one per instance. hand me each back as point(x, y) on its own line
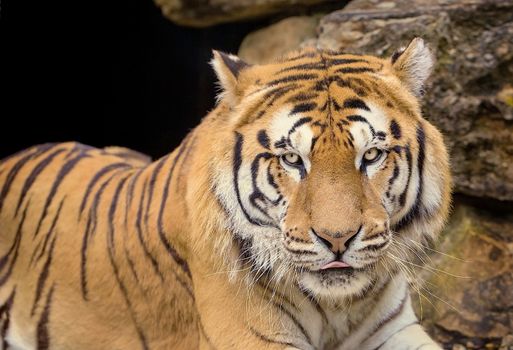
point(411, 337)
point(391, 324)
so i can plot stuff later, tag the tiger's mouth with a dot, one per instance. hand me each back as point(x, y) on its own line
point(335, 264)
point(333, 271)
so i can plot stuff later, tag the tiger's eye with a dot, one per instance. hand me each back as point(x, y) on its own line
point(372, 155)
point(292, 159)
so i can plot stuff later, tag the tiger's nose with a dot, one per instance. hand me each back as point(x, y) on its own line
point(338, 241)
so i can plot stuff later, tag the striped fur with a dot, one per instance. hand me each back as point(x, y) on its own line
point(221, 244)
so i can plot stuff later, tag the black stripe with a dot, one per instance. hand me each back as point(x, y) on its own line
point(302, 97)
point(391, 316)
point(93, 211)
point(361, 90)
point(114, 202)
point(402, 197)
point(359, 118)
point(304, 66)
point(273, 95)
point(89, 231)
point(373, 247)
point(355, 103)
point(65, 170)
point(43, 339)
point(263, 139)
point(110, 250)
point(48, 234)
point(350, 141)
point(292, 78)
point(33, 176)
point(351, 70)
point(401, 329)
point(160, 220)
point(5, 310)
point(17, 167)
point(395, 129)
point(103, 171)
point(395, 175)
point(15, 247)
point(304, 107)
point(300, 251)
point(237, 162)
point(257, 194)
point(271, 341)
point(204, 333)
point(183, 167)
point(15, 155)
point(381, 234)
point(270, 178)
point(298, 123)
point(43, 277)
point(414, 211)
point(381, 135)
point(339, 61)
point(139, 231)
point(308, 54)
point(272, 294)
point(130, 193)
point(246, 256)
point(131, 265)
point(396, 55)
point(151, 185)
point(315, 303)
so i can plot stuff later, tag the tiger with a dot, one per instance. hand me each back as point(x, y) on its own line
point(284, 220)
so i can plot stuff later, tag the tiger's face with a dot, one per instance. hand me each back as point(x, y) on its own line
point(331, 164)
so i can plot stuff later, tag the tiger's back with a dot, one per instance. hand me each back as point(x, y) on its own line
point(75, 247)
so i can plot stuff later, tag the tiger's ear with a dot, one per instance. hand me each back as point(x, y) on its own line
point(228, 68)
point(413, 65)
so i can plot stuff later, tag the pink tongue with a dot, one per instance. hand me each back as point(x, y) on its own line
point(334, 265)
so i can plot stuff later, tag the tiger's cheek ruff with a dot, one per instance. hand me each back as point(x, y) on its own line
point(251, 196)
point(257, 191)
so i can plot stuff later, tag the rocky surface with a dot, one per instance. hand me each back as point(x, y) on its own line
point(469, 97)
point(276, 40)
point(204, 13)
point(470, 285)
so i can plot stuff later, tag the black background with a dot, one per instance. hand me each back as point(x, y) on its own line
point(111, 72)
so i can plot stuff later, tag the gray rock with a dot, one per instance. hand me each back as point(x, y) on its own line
point(507, 342)
point(469, 280)
point(469, 97)
point(205, 13)
point(458, 347)
point(278, 39)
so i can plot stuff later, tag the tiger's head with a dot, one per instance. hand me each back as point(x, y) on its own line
point(327, 165)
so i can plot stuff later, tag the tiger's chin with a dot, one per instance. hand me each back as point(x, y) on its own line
point(336, 284)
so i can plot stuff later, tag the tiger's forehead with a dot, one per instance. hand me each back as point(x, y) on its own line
point(325, 95)
point(325, 85)
point(320, 67)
